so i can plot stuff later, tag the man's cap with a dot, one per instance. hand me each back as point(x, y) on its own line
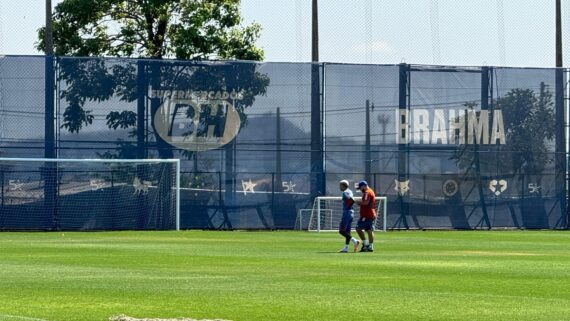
point(362, 183)
point(344, 182)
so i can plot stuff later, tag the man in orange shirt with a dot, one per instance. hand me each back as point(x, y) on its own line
point(367, 217)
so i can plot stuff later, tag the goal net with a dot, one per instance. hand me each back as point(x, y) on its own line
point(327, 213)
point(89, 194)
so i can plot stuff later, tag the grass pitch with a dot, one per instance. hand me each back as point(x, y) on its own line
point(485, 276)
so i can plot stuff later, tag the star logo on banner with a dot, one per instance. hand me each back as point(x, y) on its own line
point(534, 188)
point(288, 187)
point(248, 186)
point(96, 184)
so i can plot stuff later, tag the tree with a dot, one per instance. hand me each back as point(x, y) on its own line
point(196, 30)
point(528, 118)
point(182, 29)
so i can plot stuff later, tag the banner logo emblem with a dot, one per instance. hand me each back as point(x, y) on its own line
point(197, 125)
point(498, 187)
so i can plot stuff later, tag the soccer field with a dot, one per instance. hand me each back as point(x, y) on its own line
point(515, 275)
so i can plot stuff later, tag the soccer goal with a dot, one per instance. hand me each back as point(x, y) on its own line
point(89, 194)
point(327, 213)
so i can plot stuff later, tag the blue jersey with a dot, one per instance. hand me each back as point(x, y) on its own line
point(347, 202)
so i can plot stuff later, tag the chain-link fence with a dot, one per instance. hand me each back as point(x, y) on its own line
point(247, 136)
point(478, 147)
point(484, 32)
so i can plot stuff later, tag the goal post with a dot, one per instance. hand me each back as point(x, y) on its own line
point(327, 213)
point(89, 194)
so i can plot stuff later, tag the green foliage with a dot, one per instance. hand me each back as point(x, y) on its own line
point(528, 120)
point(85, 80)
point(283, 276)
point(183, 29)
point(124, 119)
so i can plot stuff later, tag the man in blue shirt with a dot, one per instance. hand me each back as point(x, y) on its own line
point(347, 216)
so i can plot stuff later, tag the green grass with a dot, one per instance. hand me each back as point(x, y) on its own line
point(485, 276)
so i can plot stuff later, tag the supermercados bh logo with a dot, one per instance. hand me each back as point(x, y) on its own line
point(197, 120)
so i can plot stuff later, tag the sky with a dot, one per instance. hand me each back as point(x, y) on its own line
point(449, 32)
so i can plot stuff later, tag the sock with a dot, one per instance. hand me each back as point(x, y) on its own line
point(354, 241)
point(365, 242)
point(371, 245)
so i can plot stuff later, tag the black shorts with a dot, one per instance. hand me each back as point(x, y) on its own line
point(366, 224)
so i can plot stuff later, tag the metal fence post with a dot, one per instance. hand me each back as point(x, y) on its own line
point(141, 108)
point(403, 146)
point(273, 207)
point(567, 216)
point(368, 149)
point(560, 148)
point(316, 133)
point(50, 168)
point(486, 87)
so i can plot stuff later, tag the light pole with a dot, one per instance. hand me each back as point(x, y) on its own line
point(317, 166)
point(48, 37)
point(561, 160)
point(559, 62)
point(50, 186)
point(49, 129)
point(315, 32)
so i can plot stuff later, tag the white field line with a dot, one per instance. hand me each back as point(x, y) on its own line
point(18, 317)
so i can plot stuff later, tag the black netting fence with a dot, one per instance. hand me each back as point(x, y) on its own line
point(40, 194)
point(466, 148)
